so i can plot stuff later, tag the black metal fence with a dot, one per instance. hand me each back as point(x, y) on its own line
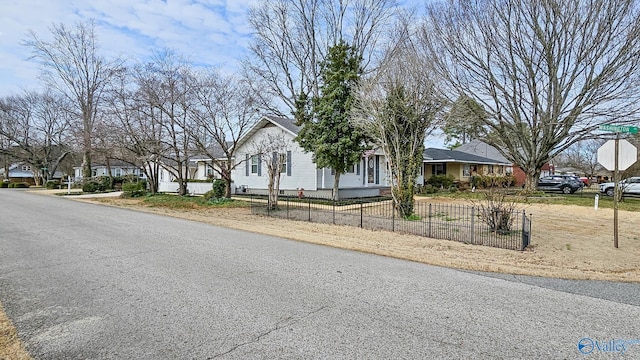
point(462, 223)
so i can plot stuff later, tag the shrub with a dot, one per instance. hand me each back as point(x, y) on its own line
point(497, 211)
point(20, 185)
point(11, 185)
point(91, 187)
point(219, 188)
point(441, 181)
point(52, 184)
point(428, 189)
point(134, 189)
point(489, 181)
point(209, 195)
point(104, 183)
point(4, 184)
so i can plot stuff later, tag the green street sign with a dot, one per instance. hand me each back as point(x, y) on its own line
point(619, 128)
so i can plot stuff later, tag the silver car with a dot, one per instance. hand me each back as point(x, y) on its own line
point(628, 186)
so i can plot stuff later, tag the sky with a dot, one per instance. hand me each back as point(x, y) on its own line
point(213, 32)
point(208, 32)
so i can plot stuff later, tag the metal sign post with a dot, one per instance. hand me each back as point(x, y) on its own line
point(616, 188)
point(629, 157)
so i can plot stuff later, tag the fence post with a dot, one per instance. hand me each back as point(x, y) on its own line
point(361, 215)
point(334, 211)
point(309, 202)
point(393, 216)
point(287, 207)
point(429, 220)
point(473, 219)
point(269, 205)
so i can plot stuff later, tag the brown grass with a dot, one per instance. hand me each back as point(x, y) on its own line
point(10, 346)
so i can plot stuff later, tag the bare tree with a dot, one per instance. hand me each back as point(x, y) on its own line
point(582, 156)
point(273, 151)
point(37, 125)
point(224, 111)
point(546, 72)
point(140, 141)
point(292, 38)
point(165, 86)
point(398, 108)
point(71, 63)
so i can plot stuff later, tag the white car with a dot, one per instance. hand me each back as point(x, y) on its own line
point(628, 186)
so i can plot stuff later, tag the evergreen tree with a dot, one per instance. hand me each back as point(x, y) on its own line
point(463, 122)
point(326, 130)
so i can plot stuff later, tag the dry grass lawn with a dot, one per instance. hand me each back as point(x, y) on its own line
point(10, 346)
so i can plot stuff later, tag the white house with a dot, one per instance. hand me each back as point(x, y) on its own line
point(118, 168)
point(199, 167)
point(299, 172)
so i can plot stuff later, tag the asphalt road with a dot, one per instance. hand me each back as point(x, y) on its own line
point(94, 282)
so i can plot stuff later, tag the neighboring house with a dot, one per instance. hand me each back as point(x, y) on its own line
point(204, 168)
point(480, 148)
point(118, 168)
point(23, 172)
point(600, 173)
point(199, 167)
point(461, 165)
point(299, 172)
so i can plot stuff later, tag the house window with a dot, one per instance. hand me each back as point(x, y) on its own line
point(254, 164)
point(118, 172)
point(466, 170)
point(26, 167)
point(490, 171)
point(209, 171)
point(283, 163)
point(438, 169)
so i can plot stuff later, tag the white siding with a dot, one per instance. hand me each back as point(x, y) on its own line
point(303, 170)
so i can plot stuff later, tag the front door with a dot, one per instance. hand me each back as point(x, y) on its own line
point(371, 170)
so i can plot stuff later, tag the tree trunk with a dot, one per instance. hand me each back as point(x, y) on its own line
point(336, 186)
point(226, 176)
point(531, 182)
point(86, 164)
point(6, 167)
point(182, 187)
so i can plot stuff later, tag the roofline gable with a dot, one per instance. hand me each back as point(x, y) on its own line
point(265, 119)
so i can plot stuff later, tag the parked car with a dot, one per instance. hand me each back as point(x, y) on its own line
point(567, 184)
point(628, 186)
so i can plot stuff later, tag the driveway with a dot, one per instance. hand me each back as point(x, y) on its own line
point(88, 281)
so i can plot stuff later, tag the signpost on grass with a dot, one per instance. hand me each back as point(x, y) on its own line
point(609, 156)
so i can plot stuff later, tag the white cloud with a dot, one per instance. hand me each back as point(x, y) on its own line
point(207, 31)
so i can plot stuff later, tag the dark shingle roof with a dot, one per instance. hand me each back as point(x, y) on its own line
point(479, 148)
point(285, 123)
point(433, 154)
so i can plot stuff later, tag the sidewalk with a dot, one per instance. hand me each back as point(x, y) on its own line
point(83, 196)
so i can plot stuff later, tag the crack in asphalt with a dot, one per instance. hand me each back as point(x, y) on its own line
point(279, 325)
